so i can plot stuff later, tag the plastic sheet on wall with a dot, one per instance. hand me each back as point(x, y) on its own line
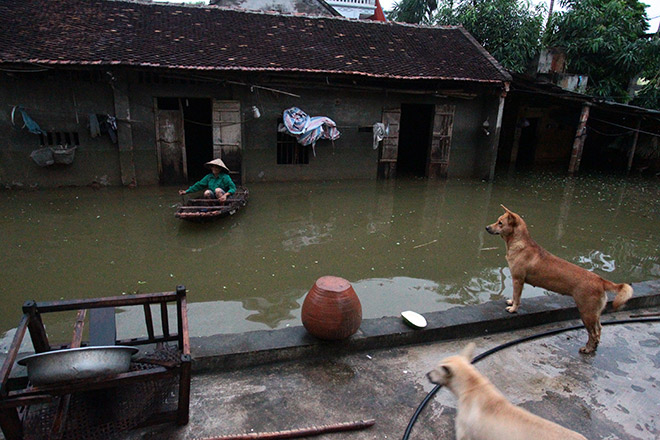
point(308, 129)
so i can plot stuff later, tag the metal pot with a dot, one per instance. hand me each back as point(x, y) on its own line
point(77, 363)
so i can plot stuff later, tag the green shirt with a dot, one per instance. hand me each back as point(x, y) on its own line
point(211, 182)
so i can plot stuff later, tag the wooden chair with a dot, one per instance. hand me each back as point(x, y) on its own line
point(96, 407)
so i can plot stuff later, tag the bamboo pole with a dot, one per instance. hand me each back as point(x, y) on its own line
point(496, 135)
point(300, 432)
point(578, 143)
point(633, 147)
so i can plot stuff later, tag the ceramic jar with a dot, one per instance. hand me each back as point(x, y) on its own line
point(331, 310)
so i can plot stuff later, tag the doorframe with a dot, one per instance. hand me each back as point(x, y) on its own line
point(159, 155)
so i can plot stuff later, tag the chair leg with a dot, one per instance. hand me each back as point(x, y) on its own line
point(184, 391)
point(11, 424)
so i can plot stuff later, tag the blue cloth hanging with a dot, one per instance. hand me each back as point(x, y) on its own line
point(29, 123)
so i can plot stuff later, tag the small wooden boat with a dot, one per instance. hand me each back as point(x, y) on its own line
point(204, 210)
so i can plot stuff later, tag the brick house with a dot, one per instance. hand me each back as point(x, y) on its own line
point(149, 92)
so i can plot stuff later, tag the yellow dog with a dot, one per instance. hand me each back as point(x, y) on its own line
point(483, 413)
point(530, 263)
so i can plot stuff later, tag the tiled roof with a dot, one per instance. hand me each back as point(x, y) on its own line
point(107, 32)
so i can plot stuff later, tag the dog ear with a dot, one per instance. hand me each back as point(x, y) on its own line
point(447, 370)
point(468, 351)
point(509, 214)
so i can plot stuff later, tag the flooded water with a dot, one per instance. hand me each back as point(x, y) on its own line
point(403, 245)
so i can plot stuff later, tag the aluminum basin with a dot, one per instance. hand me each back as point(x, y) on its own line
point(77, 363)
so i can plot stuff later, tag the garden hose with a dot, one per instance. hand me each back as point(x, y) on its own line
point(500, 347)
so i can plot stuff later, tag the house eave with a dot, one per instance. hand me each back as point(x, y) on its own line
point(45, 64)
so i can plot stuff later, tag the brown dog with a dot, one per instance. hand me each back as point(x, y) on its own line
point(483, 413)
point(530, 263)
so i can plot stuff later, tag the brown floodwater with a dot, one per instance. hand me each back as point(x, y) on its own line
point(405, 244)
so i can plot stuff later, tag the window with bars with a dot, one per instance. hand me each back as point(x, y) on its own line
point(59, 138)
point(289, 151)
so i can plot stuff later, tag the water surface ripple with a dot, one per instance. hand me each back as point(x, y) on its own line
point(403, 244)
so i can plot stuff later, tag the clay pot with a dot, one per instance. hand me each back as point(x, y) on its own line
point(331, 310)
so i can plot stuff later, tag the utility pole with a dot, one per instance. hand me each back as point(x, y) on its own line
point(550, 8)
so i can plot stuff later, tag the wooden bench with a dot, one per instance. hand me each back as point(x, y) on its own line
point(165, 360)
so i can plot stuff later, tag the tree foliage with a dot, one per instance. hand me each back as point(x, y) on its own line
point(649, 95)
point(413, 11)
point(509, 29)
point(604, 39)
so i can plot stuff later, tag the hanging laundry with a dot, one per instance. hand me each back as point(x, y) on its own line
point(94, 127)
point(380, 131)
point(112, 130)
point(308, 130)
point(28, 122)
point(295, 120)
point(108, 124)
point(113, 122)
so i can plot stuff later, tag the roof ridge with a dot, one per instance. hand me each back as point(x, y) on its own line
point(151, 3)
point(487, 54)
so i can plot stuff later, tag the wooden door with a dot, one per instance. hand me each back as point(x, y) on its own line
point(227, 135)
point(171, 147)
point(438, 157)
point(390, 147)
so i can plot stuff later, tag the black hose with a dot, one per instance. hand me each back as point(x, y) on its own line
point(487, 353)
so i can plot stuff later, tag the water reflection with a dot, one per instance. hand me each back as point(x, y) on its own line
point(273, 311)
point(403, 244)
point(306, 234)
point(596, 260)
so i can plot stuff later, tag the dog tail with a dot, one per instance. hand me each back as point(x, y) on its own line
point(623, 293)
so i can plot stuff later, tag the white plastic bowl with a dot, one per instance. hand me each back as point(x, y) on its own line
point(413, 319)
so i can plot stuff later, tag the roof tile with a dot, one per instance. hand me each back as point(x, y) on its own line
point(91, 32)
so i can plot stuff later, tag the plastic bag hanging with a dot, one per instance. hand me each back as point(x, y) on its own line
point(307, 130)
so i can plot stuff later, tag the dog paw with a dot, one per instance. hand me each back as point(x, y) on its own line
point(587, 350)
point(512, 309)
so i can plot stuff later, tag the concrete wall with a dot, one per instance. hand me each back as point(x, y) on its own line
point(60, 102)
point(352, 155)
point(57, 104)
point(471, 151)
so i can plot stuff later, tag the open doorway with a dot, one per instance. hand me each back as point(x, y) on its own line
point(414, 139)
point(527, 145)
point(185, 138)
point(197, 125)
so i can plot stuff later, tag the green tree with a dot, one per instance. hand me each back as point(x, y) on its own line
point(509, 29)
point(413, 11)
point(604, 39)
point(649, 95)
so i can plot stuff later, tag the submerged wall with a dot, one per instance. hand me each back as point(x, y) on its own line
point(61, 103)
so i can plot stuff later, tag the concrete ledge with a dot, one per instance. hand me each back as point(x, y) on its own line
point(223, 352)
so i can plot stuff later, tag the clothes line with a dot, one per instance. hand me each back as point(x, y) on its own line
point(623, 126)
point(609, 134)
point(238, 83)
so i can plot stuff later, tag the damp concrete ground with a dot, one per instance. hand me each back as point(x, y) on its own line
point(286, 379)
point(279, 380)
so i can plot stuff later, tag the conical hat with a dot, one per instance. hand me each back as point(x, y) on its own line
point(219, 163)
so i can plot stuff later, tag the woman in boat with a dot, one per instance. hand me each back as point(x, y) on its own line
point(217, 184)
